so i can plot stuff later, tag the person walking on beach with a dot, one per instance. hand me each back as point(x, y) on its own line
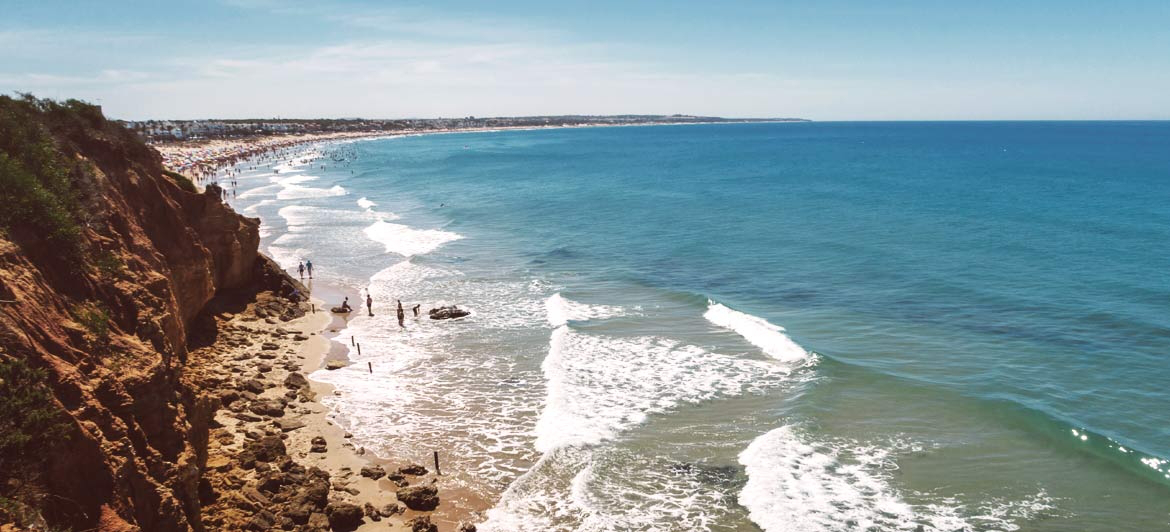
point(301, 270)
point(401, 315)
point(309, 267)
point(369, 303)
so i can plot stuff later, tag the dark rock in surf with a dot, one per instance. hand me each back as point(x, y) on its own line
point(448, 312)
point(413, 469)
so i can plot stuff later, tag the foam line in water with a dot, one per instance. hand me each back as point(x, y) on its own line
point(297, 217)
point(255, 206)
point(267, 190)
point(365, 203)
point(600, 386)
point(294, 179)
point(560, 311)
point(301, 192)
point(796, 484)
point(758, 331)
point(586, 489)
point(407, 241)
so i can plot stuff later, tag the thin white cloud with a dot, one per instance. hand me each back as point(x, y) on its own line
point(34, 80)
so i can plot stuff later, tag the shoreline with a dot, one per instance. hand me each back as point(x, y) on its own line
point(211, 155)
point(459, 508)
point(270, 432)
point(446, 516)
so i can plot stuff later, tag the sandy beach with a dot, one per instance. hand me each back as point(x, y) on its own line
point(260, 362)
point(203, 159)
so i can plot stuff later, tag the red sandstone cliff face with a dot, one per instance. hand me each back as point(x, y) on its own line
point(154, 256)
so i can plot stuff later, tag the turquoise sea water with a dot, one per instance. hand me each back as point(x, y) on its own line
point(786, 327)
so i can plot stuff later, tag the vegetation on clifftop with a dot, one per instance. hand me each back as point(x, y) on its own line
point(36, 179)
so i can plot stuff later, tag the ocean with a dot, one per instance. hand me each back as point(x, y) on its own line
point(778, 326)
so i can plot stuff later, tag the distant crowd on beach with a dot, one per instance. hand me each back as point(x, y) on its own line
point(223, 168)
point(219, 162)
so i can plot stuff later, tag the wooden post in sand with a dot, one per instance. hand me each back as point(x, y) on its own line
point(314, 305)
point(351, 341)
point(359, 346)
point(437, 472)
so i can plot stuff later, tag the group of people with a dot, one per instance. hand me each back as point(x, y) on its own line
point(370, 308)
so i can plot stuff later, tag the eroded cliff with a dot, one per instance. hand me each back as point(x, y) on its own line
point(105, 264)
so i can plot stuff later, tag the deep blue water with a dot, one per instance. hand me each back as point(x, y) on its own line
point(1037, 251)
point(995, 291)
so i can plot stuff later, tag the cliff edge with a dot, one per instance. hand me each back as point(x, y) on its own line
point(106, 262)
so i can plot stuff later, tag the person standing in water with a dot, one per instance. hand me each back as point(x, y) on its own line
point(301, 270)
point(401, 315)
point(415, 309)
point(309, 267)
point(369, 303)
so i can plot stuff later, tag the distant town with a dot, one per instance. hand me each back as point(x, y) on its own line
point(172, 130)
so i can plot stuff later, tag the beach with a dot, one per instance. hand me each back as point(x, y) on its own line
point(259, 364)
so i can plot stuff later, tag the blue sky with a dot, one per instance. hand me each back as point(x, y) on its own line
point(825, 60)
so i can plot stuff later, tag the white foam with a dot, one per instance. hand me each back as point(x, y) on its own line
point(291, 192)
point(298, 217)
point(590, 489)
point(365, 203)
point(560, 311)
point(255, 206)
point(794, 486)
point(287, 256)
point(268, 190)
point(292, 178)
point(768, 337)
point(600, 386)
point(407, 241)
point(441, 380)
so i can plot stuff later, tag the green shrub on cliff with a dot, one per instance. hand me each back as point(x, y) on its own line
point(29, 418)
point(183, 181)
point(36, 182)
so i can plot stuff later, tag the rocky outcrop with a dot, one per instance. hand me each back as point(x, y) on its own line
point(447, 313)
point(422, 524)
point(105, 326)
point(419, 498)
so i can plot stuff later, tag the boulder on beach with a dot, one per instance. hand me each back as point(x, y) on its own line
point(419, 498)
point(447, 312)
point(422, 524)
point(335, 364)
point(295, 381)
point(343, 515)
point(413, 469)
point(375, 472)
